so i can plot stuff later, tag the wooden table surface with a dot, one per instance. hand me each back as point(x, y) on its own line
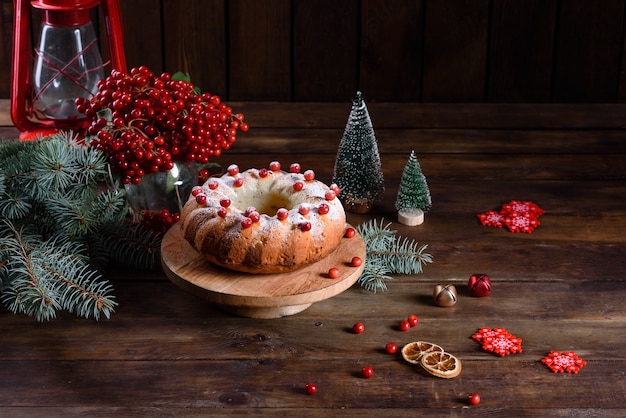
point(166, 352)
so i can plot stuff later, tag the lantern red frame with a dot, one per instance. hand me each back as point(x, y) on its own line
point(21, 83)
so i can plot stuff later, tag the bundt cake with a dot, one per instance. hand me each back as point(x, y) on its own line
point(264, 220)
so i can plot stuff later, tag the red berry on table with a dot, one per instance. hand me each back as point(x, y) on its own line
point(334, 273)
point(391, 348)
point(350, 233)
point(323, 209)
point(294, 168)
point(473, 399)
point(358, 328)
point(413, 320)
point(309, 175)
point(310, 388)
point(282, 214)
point(274, 166)
point(356, 261)
point(298, 185)
point(404, 325)
point(233, 170)
point(367, 372)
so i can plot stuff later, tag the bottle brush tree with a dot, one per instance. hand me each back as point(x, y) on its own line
point(413, 194)
point(357, 169)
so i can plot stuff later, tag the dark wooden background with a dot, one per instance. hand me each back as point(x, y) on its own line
point(394, 51)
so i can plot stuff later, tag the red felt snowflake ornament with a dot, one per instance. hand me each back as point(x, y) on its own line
point(517, 216)
point(498, 341)
point(565, 362)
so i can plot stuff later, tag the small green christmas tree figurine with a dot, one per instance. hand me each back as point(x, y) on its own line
point(413, 194)
point(357, 166)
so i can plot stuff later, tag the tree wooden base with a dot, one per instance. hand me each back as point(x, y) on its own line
point(411, 217)
point(259, 295)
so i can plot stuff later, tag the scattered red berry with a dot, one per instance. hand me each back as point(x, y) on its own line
point(404, 325)
point(367, 372)
point(413, 320)
point(350, 233)
point(358, 328)
point(334, 273)
point(391, 348)
point(473, 399)
point(356, 261)
point(310, 388)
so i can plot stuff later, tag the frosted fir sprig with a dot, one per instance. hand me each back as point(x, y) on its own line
point(387, 254)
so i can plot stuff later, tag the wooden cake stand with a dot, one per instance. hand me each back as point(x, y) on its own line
point(259, 295)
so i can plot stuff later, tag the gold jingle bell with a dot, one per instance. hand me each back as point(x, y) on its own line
point(445, 295)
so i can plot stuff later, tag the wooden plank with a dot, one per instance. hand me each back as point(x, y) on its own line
point(521, 51)
point(143, 34)
point(254, 384)
point(455, 51)
point(435, 115)
point(391, 50)
point(325, 50)
point(195, 42)
point(260, 50)
point(589, 45)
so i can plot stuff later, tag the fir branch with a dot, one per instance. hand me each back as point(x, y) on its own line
point(388, 254)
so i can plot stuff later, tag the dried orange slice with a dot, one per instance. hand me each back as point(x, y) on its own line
point(441, 364)
point(413, 352)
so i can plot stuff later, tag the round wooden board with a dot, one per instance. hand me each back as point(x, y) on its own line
point(259, 295)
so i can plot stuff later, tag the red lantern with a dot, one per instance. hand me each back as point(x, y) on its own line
point(67, 62)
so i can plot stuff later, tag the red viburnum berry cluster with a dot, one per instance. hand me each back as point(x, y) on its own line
point(157, 221)
point(155, 120)
point(498, 341)
point(517, 216)
point(565, 362)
